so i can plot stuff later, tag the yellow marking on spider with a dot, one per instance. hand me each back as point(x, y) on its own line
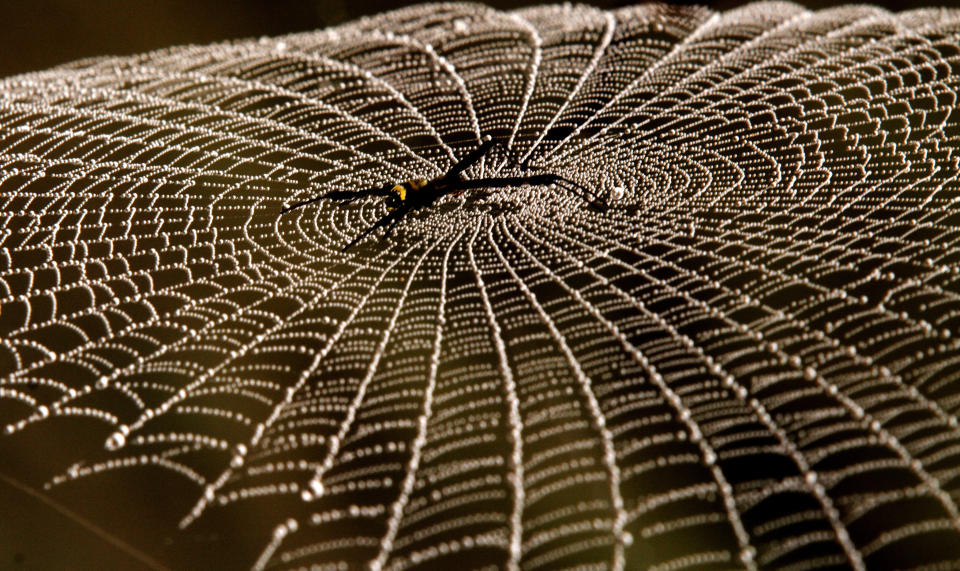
point(410, 185)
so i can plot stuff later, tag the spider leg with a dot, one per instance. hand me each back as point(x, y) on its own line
point(582, 192)
point(504, 182)
point(348, 195)
point(540, 179)
point(470, 159)
point(391, 218)
point(391, 227)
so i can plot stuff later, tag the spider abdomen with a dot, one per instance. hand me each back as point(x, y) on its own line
point(409, 186)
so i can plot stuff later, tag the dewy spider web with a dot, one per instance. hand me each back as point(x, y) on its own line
point(748, 360)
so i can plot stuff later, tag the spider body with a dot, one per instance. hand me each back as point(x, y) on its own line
point(416, 193)
point(400, 191)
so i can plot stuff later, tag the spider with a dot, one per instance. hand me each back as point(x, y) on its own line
point(418, 193)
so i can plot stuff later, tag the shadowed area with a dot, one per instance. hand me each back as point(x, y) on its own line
point(745, 358)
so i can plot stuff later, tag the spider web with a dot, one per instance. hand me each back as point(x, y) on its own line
point(749, 360)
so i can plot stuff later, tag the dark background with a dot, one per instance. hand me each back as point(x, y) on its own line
point(36, 34)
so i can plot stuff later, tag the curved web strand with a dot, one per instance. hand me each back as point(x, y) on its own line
point(747, 358)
